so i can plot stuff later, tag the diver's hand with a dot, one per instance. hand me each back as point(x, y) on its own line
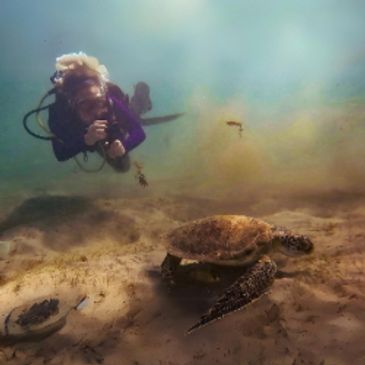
point(116, 149)
point(96, 132)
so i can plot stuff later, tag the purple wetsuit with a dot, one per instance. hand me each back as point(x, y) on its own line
point(134, 132)
point(70, 131)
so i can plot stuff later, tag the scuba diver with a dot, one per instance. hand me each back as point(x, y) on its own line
point(90, 113)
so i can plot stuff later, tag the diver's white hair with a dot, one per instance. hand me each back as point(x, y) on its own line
point(80, 63)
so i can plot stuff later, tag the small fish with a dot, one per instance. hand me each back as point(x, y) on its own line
point(142, 179)
point(233, 123)
point(140, 176)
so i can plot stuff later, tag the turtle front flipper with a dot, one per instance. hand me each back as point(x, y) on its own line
point(243, 291)
point(168, 268)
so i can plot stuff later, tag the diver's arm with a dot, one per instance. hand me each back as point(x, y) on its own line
point(116, 149)
point(135, 132)
point(66, 144)
point(136, 136)
point(64, 151)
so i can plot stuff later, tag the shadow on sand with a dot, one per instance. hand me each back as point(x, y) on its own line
point(68, 221)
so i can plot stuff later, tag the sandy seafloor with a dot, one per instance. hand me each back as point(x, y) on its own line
point(109, 248)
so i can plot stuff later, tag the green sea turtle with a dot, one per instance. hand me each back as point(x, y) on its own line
point(232, 240)
point(37, 319)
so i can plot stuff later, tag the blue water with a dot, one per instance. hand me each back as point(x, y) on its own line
point(283, 60)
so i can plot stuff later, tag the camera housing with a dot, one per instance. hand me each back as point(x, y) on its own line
point(113, 131)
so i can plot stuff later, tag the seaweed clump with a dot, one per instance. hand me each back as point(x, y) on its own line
point(38, 312)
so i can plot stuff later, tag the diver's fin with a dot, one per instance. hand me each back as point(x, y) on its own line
point(162, 119)
point(243, 291)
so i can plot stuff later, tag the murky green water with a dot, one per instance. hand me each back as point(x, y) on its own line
point(291, 72)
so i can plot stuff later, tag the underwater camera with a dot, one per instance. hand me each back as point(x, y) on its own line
point(113, 131)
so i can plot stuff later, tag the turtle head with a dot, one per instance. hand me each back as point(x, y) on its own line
point(292, 244)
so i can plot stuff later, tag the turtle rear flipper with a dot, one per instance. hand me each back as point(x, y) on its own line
point(243, 291)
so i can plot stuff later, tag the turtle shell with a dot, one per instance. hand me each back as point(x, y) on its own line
point(222, 239)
